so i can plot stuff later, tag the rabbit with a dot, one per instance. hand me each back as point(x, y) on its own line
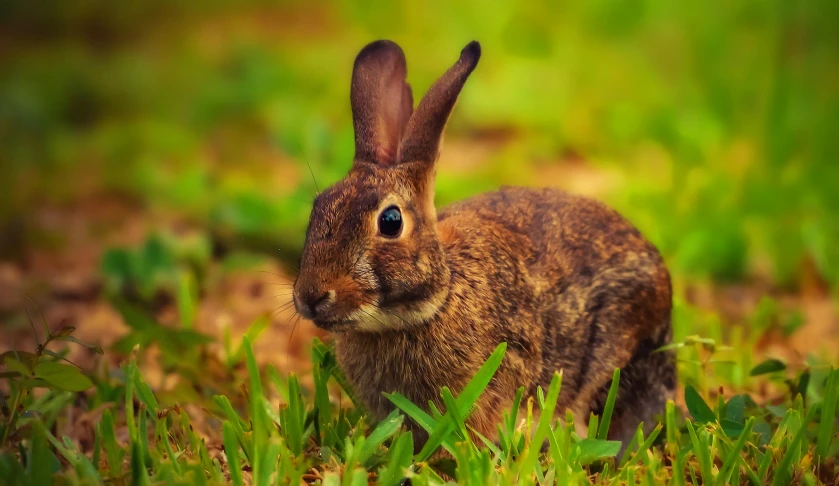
point(415, 299)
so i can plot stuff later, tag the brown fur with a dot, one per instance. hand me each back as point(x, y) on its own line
point(565, 281)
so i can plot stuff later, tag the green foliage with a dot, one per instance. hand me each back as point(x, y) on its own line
point(768, 366)
point(146, 330)
point(721, 445)
point(719, 122)
point(25, 371)
point(164, 266)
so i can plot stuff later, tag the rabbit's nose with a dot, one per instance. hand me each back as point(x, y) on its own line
point(312, 301)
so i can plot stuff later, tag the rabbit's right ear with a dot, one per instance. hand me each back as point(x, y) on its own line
point(381, 102)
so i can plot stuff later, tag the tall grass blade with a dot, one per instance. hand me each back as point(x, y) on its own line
point(605, 421)
point(231, 450)
point(826, 429)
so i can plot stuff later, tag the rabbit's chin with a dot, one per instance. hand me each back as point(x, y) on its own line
point(372, 318)
point(380, 319)
point(335, 326)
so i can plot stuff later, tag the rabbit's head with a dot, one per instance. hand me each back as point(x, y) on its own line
point(372, 259)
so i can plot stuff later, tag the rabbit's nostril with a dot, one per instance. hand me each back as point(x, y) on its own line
point(309, 303)
point(320, 299)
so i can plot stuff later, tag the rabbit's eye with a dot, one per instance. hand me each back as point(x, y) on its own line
point(390, 222)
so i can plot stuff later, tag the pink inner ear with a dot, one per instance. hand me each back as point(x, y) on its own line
point(385, 155)
point(397, 106)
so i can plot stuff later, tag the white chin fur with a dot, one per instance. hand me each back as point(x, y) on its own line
point(370, 318)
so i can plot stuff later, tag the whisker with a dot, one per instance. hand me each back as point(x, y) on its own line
point(293, 327)
point(388, 311)
point(372, 317)
point(281, 309)
point(395, 315)
point(306, 159)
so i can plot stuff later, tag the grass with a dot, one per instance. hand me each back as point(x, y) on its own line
point(272, 431)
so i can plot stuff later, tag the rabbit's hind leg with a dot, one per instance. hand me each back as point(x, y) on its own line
point(646, 383)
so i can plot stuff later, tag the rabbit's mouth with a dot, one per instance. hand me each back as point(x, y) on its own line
point(335, 325)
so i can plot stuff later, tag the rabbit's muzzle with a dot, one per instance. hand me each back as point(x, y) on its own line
point(310, 303)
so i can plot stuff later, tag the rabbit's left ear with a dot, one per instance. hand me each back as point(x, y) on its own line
point(381, 102)
point(421, 142)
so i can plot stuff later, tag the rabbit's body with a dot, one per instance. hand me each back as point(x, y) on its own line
point(576, 288)
point(418, 301)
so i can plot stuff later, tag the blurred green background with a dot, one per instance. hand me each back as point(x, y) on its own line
point(712, 127)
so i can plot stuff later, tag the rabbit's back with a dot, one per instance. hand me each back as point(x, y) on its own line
point(568, 233)
point(601, 294)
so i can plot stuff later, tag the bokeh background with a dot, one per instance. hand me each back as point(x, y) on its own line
point(157, 149)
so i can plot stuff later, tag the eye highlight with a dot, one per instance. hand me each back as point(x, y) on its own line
point(390, 222)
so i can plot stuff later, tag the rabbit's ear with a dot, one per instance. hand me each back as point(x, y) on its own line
point(381, 102)
point(421, 142)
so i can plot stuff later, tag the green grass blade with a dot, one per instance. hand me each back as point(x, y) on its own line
point(129, 403)
point(754, 479)
point(231, 450)
point(293, 417)
point(637, 439)
point(383, 431)
point(510, 418)
point(487, 443)
point(546, 420)
point(775, 444)
point(671, 428)
point(324, 354)
point(472, 391)
point(237, 424)
point(603, 430)
point(139, 475)
point(359, 477)
point(784, 469)
point(258, 418)
point(731, 461)
point(323, 408)
point(267, 463)
point(144, 439)
point(186, 300)
point(113, 451)
point(436, 414)
point(97, 445)
point(641, 453)
point(39, 457)
point(702, 452)
point(163, 438)
point(678, 470)
point(400, 455)
point(826, 428)
point(438, 437)
point(593, 425)
point(451, 407)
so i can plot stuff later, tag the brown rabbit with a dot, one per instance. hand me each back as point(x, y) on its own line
point(418, 300)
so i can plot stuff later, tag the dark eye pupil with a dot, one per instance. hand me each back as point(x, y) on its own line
point(390, 222)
